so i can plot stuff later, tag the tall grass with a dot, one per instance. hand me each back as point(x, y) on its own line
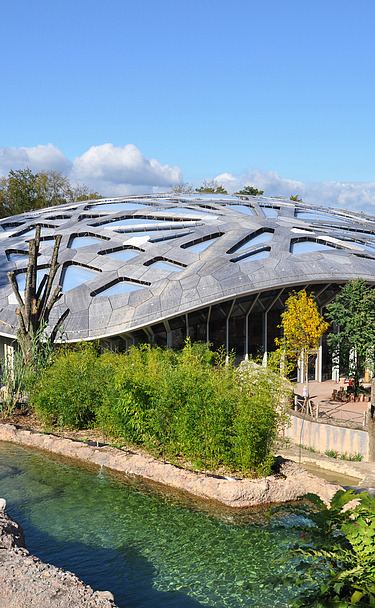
point(191, 404)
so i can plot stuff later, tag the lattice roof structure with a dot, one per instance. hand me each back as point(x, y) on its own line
point(131, 262)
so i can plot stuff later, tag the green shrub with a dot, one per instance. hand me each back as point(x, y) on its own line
point(192, 404)
point(71, 391)
point(337, 558)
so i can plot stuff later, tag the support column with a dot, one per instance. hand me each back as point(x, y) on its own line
point(208, 324)
point(169, 334)
point(246, 349)
point(319, 363)
point(265, 337)
point(227, 330)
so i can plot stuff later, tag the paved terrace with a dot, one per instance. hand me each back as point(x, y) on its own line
point(354, 412)
point(344, 411)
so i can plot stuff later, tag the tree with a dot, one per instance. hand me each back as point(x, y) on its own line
point(35, 307)
point(249, 191)
point(211, 187)
point(296, 198)
point(353, 312)
point(184, 188)
point(24, 191)
point(302, 326)
point(18, 192)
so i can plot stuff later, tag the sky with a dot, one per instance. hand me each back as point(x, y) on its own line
point(132, 96)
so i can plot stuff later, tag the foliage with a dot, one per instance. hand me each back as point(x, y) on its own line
point(211, 187)
point(190, 404)
point(249, 191)
point(353, 311)
point(302, 326)
point(337, 565)
point(17, 379)
point(296, 198)
point(184, 188)
point(22, 190)
point(70, 391)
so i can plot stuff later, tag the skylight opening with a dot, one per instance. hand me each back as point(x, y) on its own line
point(247, 210)
point(258, 254)
point(10, 226)
point(123, 254)
point(164, 264)
point(83, 241)
point(202, 244)
point(21, 278)
point(17, 256)
point(125, 206)
point(168, 237)
point(312, 215)
point(270, 212)
point(254, 239)
point(74, 275)
point(45, 229)
point(309, 246)
point(119, 287)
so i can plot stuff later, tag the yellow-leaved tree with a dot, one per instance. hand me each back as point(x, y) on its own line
point(302, 326)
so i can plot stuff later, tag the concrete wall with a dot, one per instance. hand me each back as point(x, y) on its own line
point(322, 436)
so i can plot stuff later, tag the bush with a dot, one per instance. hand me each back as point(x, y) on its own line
point(337, 558)
point(72, 390)
point(191, 404)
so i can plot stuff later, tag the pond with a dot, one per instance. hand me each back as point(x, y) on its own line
point(149, 547)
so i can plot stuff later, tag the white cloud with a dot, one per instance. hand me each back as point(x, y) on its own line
point(123, 167)
point(116, 171)
point(35, 158)
point(358, 196)
point(108, 169)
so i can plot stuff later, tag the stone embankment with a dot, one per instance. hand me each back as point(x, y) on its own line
point(288, 484)
point(27, 582)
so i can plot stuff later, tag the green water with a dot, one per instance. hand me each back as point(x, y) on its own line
point(148, 548)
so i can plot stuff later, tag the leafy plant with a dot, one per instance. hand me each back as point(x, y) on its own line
point(353, 311)
point(337, 557)
point(249, 191)
point(331, 453)
point(191, 404)
point(302, 326)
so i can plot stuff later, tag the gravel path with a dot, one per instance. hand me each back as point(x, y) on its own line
point(27, 582)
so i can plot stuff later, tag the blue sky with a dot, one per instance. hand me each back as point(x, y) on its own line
point(278, 91)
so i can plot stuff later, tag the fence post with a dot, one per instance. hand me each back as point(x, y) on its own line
point(371, 424)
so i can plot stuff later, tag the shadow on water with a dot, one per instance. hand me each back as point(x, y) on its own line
point(133, 589)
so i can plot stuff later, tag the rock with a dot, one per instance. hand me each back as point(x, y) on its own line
point(26, 582)
point(106, 595)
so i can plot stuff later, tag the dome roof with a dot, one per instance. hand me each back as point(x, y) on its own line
point(128, 263)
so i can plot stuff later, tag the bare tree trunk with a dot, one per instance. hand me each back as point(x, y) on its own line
point(35, 307)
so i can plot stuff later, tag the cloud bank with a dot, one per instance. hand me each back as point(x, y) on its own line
point(357, 196)
point(116, 171)
point(111, 170)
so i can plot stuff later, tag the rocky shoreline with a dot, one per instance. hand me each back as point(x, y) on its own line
point(27, 582)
